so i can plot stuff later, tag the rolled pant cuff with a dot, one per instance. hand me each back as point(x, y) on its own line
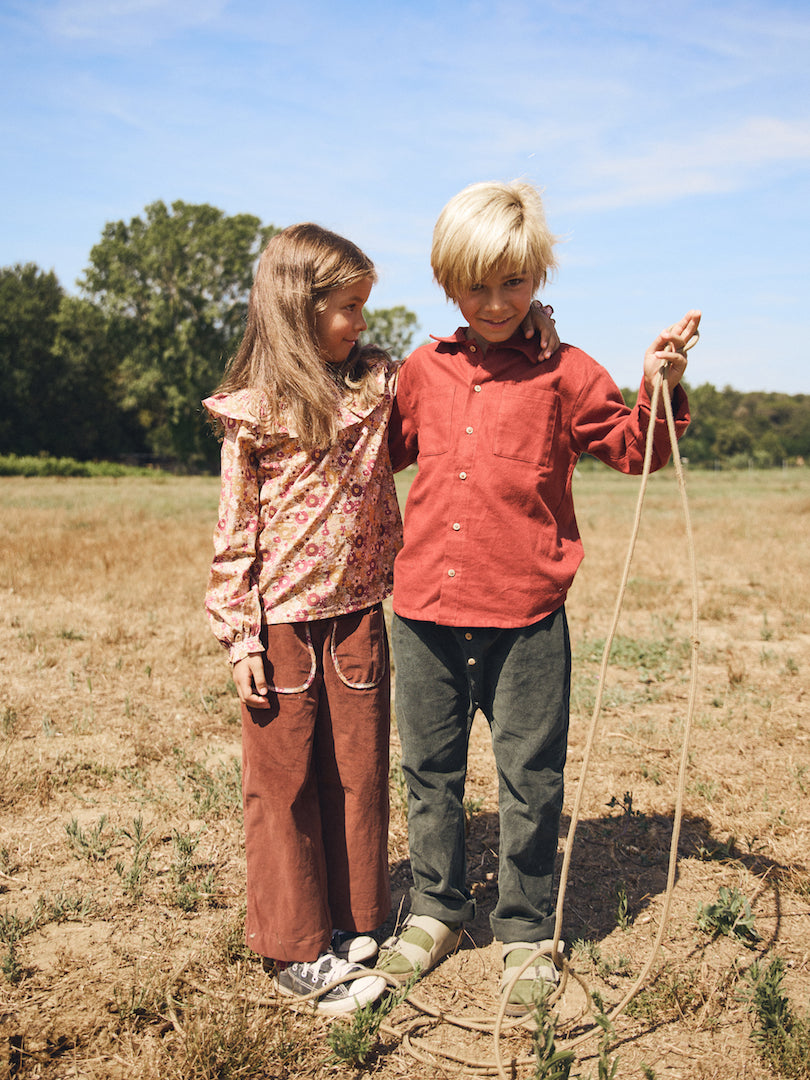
point(428, 905)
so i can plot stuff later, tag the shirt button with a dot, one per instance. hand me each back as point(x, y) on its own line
point(468, 636)
point(451, 573)
point(469, 430)
point(462, 476)
point(472, 348)
point(456, 526)
point(471, 661)
point(477, 389)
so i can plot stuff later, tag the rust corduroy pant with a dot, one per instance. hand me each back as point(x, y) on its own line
point(315, 786)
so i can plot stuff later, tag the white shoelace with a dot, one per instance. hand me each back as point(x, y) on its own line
point(326, 969)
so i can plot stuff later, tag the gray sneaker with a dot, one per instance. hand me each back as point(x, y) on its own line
point(306, 977)
point(357, 948)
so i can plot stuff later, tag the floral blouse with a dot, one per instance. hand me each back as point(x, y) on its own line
point(302, 534)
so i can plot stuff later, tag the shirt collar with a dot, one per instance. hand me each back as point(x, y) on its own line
point(459, 342)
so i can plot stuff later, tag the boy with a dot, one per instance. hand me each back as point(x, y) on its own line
point(491, 548)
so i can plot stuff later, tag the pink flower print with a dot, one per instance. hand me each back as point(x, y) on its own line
point(302, 517)
point(312, 549)
point(313, 599)
point(357, 490)
point(313, 500)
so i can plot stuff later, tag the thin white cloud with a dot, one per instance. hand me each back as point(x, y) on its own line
point(725, 160)
point(126, 22)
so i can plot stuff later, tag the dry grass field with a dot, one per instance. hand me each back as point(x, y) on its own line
point(121, 870)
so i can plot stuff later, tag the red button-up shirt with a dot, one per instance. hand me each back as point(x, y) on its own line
point(490, 533)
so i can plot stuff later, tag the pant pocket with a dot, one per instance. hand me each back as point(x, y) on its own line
point(290, 663)
point(359, 648)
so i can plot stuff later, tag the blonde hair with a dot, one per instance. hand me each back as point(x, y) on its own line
point(279, 353)
point(488, 226)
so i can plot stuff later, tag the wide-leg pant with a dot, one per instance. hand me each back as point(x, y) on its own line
point(520, 679)
point(315, 786)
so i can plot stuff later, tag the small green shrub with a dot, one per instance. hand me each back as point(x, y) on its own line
point(90, 845)
point(134, 878)
point(782, 1038)
point(551, 1063)
point(730, 915)
point(214, 793)
point(353, 1042)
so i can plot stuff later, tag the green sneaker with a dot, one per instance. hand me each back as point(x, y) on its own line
point(525, 993)
point(421, 943)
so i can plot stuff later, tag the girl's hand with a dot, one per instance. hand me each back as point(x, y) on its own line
point(251, 684)
point(678, 336)
point(538, 322)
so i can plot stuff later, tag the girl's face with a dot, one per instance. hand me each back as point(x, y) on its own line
point(341, 322)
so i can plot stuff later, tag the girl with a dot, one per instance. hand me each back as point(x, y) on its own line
point(304, 549)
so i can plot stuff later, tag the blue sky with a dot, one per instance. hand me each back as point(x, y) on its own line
point(671, 142)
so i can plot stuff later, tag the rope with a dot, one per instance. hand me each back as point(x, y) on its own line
point(681, 784)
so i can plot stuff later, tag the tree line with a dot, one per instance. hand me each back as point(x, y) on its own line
point(118, 371)
point(735, 429)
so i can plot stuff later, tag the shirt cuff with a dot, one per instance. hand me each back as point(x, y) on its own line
point(248, 646)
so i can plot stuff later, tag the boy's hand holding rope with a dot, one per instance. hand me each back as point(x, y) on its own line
point(666, 357)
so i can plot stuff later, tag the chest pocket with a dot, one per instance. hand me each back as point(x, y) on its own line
point(435, 423)
point(526, 425)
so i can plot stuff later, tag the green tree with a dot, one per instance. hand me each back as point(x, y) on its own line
point(29, 305)
point(707, 408)
point(392, 329)
point(94, 423)
point(173, 287)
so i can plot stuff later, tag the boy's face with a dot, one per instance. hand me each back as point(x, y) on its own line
point(495, 307)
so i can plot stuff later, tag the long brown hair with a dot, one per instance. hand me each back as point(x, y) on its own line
point(279, 353)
